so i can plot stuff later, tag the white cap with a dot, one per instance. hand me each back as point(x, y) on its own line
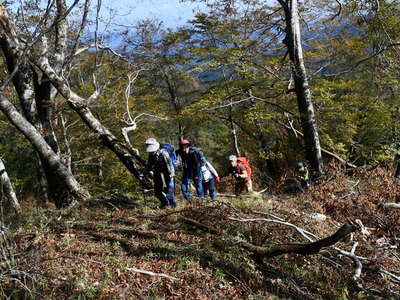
point(232, 158)
point(152, 145)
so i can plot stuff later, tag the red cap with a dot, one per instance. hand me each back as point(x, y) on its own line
point(184, 142)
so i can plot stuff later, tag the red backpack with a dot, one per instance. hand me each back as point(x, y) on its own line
point(245, 163)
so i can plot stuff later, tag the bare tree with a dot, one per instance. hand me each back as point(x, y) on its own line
point(50, 72)
point(132, 161)
point(62, 185)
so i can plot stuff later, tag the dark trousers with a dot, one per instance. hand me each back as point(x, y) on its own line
point(243, 185)
point(209, 187)
point(164, 192)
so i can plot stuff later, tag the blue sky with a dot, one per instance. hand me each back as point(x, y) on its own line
point(172, 12)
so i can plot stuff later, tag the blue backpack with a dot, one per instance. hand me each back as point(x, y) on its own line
point(172, 155)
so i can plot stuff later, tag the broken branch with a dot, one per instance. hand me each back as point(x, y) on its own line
point(304, 249)
point(149, 273)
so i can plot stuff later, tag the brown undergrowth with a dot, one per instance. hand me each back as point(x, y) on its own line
point(194, 252)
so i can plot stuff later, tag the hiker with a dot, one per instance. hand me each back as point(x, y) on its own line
point(302, 176)
point(191, 167)
point(240, 169)
point(210, 177)
point(160, 168)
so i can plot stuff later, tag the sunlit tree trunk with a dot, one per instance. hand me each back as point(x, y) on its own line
point(7, 188)
point(232, 126)
point(303, 94)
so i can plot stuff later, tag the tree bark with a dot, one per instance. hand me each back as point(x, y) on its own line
point(46, 107)
point(59, 178)
point(7, 188)
point(303, 94)
point(22, 79)
point(67, 153)
point(176, 104)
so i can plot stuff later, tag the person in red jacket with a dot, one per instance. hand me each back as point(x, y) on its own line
point(241, 174)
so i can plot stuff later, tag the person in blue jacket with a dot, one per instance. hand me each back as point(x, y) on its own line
point(191, 159)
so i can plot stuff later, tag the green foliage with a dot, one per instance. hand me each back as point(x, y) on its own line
point(197, 81)
point(18, 156)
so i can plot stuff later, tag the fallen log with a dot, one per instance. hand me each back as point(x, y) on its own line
point(303, 249)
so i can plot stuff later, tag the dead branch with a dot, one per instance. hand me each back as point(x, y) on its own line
point(390, 205)
point(358, 268)
point(356, 259)
point(392, 276)
point(306, 234)
point(339, 11)
point(131, 122)
point(101, 47)
point(266, 214)
point(303, 249)
point(149, 273)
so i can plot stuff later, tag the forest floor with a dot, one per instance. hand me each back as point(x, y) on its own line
point(123, 247)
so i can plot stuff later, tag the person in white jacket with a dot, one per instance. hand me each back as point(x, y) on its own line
point(210, 177)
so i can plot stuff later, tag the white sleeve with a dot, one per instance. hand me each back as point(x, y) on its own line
point(211, 168)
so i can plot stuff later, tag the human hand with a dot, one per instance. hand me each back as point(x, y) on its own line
point(217, 179)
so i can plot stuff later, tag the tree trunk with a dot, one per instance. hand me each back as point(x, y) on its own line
point(232, 127)
point(176, 104)
point(67, 153)
point(45, 106)
point(7, 188)
point(44, 185)
point(304, 102)
point(65, 187)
